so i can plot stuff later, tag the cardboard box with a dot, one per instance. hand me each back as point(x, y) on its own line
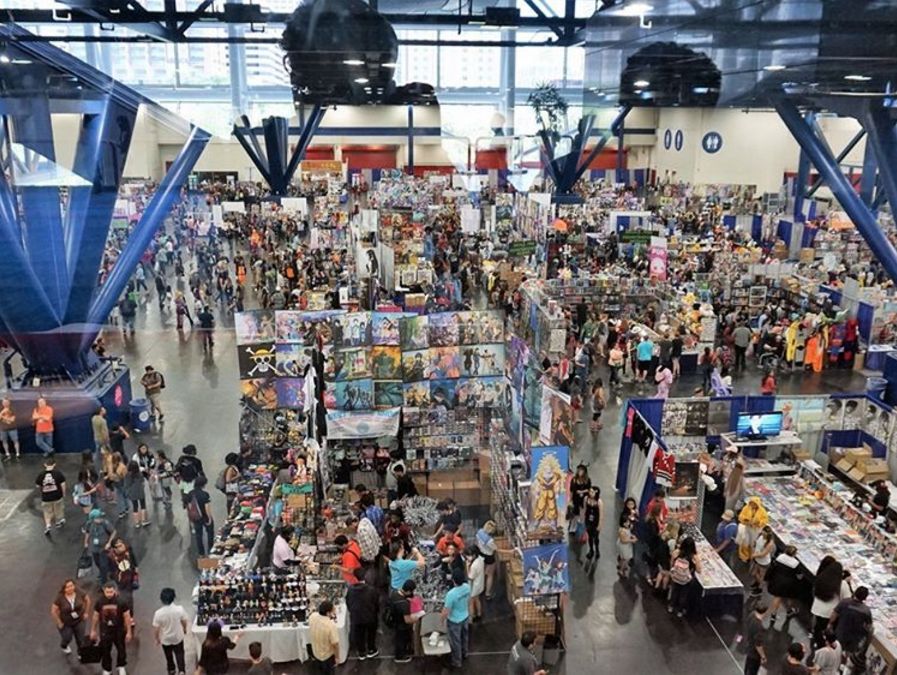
point(870, 466)
point(857, 474)
point(467, 493)
point(844, 465)
point(208, 563)
point(857, 454)
point(438, 489)
point(807, 255)
point(802, 454)
point(455, 475)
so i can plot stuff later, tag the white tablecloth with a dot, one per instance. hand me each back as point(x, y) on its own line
point(279, 643)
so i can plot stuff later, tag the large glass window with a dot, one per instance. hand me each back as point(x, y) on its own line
point(417, 63)
point(264, 66)
point(473, 66)
point(537, 65)
point(203, 64)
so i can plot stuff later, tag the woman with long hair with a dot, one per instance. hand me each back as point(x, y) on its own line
point(116, 471)
point(685, 564)
point(829, 587)
point(69, 612)
point(476, 576)
point(135, 490)
point(593, 516)
point(213, 654)
point(579, 490)
point(764, 548)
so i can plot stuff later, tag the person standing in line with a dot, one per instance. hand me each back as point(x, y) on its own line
point(404, 618)
point(363, 603)
point(111, 625)
point(9, 434)
point(213, 658)
point(42, 416)
point(521, 660)
point(324, 637)
point(51, 484)
point(70, 612)
point(593, 518)
point(169, 628)
point(153, 383)
point(755, 640)
point(135, 491)
point(207, 327)
point(100, 428)
point(456, 612)
point(205, 524)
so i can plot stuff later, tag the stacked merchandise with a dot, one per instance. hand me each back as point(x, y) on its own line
point(237, 541)
point(237, 599)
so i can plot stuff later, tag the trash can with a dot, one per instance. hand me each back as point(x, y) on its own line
point(140, 414)
point(875, 387)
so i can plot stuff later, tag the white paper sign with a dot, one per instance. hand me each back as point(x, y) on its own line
point(233, 207)
point(294, 205)
point(470, 219)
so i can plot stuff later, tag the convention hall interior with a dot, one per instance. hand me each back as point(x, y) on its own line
point(514, 337)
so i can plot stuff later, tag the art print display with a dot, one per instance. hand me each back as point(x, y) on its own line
point(350, 395)
point(414, 332)
point(417, 394)
point(513, 416)
point(388, 394)
point(492, 325)
point(385, 328)
point(415, 365)
point(386, 363)
point(811, 415)
point(549, 475)
point(346, 364)
point(260, 393)
point(352, 330)
point(719, 415)
point(290, 392)
point(790, 408)
point(258, 360)
point(532, 397)
point(833, 415)
point(443, 394)
point(685, 417)
point(556, 419)
point(291, 359)
point(546, 570)
point(445, 362)
point(254, 326)
point(443, 329)
point(685, 483)
point(468, 330)
point(480, 392)
point(517, 359)
point(853, 414)
point(483, 360)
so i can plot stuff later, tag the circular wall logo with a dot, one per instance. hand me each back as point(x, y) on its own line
point(712, 142)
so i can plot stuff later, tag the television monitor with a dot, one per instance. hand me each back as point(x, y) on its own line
point(759, 425)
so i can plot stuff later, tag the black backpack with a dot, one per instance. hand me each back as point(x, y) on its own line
point(390, 616)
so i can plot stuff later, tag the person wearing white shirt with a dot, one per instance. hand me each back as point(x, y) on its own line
point(169, 627)
point(283, 553)
point(476, 575)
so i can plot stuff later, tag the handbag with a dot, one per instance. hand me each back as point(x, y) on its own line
point(135, 581)
point(85, 564)
point(90, 653)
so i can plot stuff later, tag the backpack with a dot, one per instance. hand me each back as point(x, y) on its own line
point(681, 571)
point(194, 514)
point(221, 481)
point(390, 620)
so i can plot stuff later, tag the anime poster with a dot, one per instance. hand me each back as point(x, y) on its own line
point(532, 397)
point(548, 494)
point(517, 358)
point(415, 365)
point(490, 391)
point(290, 392)
point(351, 395)
point(885, 422)
point(657, 263)
point(254, 326)
point(445, 362)
point(385, 328)
point(833, 415)
point(853, 414)
point(386, 363)
point(417, 395)
point(289, 326)
point(812, 415)
point(443, 394)
point(513, 414)
point(443, 329)
point(257, 360)
point(556, 419)
point(483, 360)
point(388, 394)
point(291, 359)
point(346, 364)
point(352, 330)
point(260, 393)
point(719, 414)
point(468, 331)
point(686, 483)
point(546, 570)
point(790, 408)
point(492, 325)
point(414, 332)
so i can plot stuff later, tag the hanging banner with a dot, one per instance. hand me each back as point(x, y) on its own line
point(470, 219)
point(294, 205)
point(343, 425)
point(233, 207)
point(657, 259)
point(218, 216)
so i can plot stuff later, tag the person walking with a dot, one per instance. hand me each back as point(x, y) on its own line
point(755, 640)
point(70, 612)
point(51, 484)
point(213, 658)
point(794, 661)
point(259, 665)
point(205, 525)
point(116, 472)
point(363, 603)
point(153, 383)
point(521, 660)
point(852, 622)
point(187, 469)
point(127, 308)
point(169, 628)
point(9, 433)
point(741, 338)
point(456, 612)
point(830, 586)
point(135, 492)
point(207, 327)
point(164, 474)
point(100, 428)
point(99, 534)
point(324, 637)
point(829, 657)
point(593, 517)
point(615, 360)
point(123, 571)
point(768, 384)
point(42, 416)
point(111, 625)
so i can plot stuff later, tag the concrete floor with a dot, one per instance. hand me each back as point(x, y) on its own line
point(622, 626)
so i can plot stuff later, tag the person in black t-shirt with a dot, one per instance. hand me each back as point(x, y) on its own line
point(405, 486)
point(111, 626)
point(186, 470)
point(51, 484)
point(882, 498)
point(205, 524)
point(207, 327)
point(404, 623)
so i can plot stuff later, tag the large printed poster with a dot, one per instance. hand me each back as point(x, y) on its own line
point(549, 490)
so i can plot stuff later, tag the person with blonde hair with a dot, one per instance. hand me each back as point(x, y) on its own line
point(753, 518)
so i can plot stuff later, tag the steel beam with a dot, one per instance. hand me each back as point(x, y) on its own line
point(882, 136)
point(803, 175)
point(840, 158)
point(309, 129)
point(410, 167)
point(862, 217)
point(869, 177)
point(246, 138)
point(276, 134)
point(254, 141)
point(603, 138)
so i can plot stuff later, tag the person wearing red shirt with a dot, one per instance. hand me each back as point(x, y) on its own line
point(350, 558)
point(447, 538)
point(659, 498)
point(768, 384)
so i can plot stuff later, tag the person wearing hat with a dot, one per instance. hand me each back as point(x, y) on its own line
point(726, 532)
point(99, 534)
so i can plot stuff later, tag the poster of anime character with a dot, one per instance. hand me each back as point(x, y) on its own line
point(385, 328)
point(415, 365)
point(260, 393)
point(468, 332)
point(254, 326)
point(289, 326)
point(417, 394)
point(443, 394)
point(290, 392)
point(833, 415)
point(548, 493)
point(468, 392)
point(291, 359)
point(556, 419)
point(532, 397)
point(353, 395)
point(443, 329)
point(517, 358)
point(853, 410)
point(318, 324)
point(492, 325)
point(513, 403)
point(546, 570)
point(257, 360)
point(352, 330)
point(811, 417)
point(414, 332)
point(386, 363)
point(346, 364)
point(388, 394)
point(483, 360)
point(493, 391)
point(445, 362)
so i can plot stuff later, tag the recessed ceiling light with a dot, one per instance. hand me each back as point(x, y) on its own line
point(638, 91)
point(641, 83)
point(21, 62)
point(361, 80)
point(857, 78)
point(354, 62)
point(4, 58)
point(773, 67)
point(388, 65)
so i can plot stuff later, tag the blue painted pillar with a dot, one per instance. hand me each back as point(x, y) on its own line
point(800, 185)
point(867, 180)
point(882, 136)
point(621, 135)
point(276, 131)
point(410, 167)
point(825, 163)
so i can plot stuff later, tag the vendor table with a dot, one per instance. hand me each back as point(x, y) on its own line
point(279, 643)
point(750, 448)
point(721, 590)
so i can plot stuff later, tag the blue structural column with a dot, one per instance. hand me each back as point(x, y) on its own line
point(309, 129)
point(868, 179)
point(602, 141)
point(621, 136)
point(840, 158)
point(276, 132)
point(410, 167)
point(882, 136)
point(803, 175)
point(822, 158)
